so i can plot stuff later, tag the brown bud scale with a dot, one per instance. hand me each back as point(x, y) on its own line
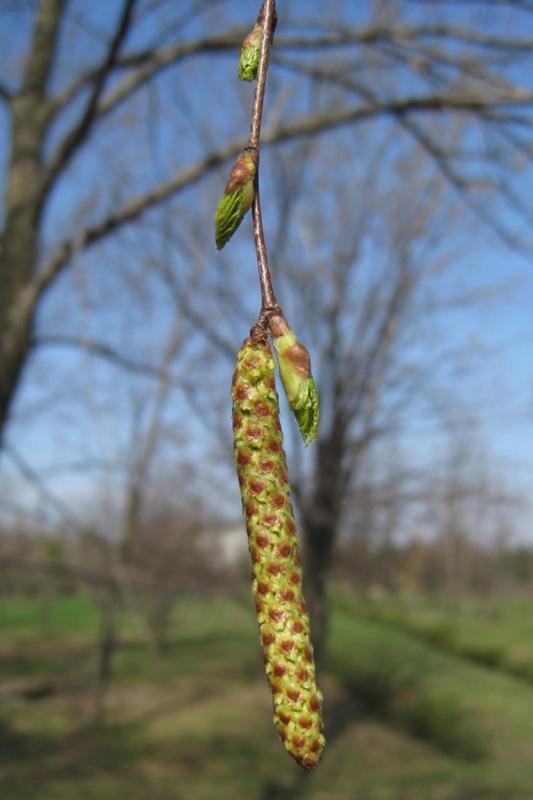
point(276, 570)
point(242, 171)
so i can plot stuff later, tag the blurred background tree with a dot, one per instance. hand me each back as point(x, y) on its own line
point(395, 184)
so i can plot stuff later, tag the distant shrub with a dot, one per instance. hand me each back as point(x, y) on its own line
point(446, 724)
point(521, 669)
point(386, 675)
point(378, 675)
point(490, 655)
point(442, 635)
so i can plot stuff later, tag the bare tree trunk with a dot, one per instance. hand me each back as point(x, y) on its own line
point(318, 553)
point(25, 196)
point(107, 645)
point(321, 520)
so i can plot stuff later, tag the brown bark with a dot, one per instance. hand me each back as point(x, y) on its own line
point(107, 645)
point(25, 196)
point(321, 524)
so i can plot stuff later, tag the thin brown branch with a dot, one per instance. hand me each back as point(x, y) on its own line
point(268, 298)
point(269, 7)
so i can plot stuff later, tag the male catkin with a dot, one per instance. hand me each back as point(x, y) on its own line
point(272, 540)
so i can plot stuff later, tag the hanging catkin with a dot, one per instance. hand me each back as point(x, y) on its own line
point(272, 540)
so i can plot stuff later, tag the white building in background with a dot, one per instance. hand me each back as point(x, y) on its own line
point(227, 544)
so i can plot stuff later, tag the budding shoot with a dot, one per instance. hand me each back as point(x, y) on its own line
point(237, 198)
point(251, 48)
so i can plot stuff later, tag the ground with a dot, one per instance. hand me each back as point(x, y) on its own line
point(409, 715)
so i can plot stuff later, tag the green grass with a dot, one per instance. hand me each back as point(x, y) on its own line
point(404, 719)
point(494, 634)
point(399, 680)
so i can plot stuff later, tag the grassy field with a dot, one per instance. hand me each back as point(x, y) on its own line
point(495, 633)
point(408, 716)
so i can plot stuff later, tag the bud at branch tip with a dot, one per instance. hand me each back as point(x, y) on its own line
point(251, 48)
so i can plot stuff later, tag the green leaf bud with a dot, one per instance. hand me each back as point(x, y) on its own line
point(295, 370)
point(237, 198)
point(251, 48)
point(249, 60)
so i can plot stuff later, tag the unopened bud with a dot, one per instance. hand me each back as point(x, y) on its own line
point(295, 371)
point(251, 49)
point(249, 60)
point(237, 198)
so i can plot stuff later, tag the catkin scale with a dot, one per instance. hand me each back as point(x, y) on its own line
point(276, 569)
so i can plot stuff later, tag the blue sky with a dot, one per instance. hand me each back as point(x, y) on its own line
point(77, 409)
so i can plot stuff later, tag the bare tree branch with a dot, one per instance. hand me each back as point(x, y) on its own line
point(440, 31)
point(460, 183)
point(5, 94)
point(148, 63)
point(491, 111)
point(321, 122)
point(80, 131)
point(34, 479)
point(103, 350)
point(130, 212)
point(42, 50)
point(144, 66)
